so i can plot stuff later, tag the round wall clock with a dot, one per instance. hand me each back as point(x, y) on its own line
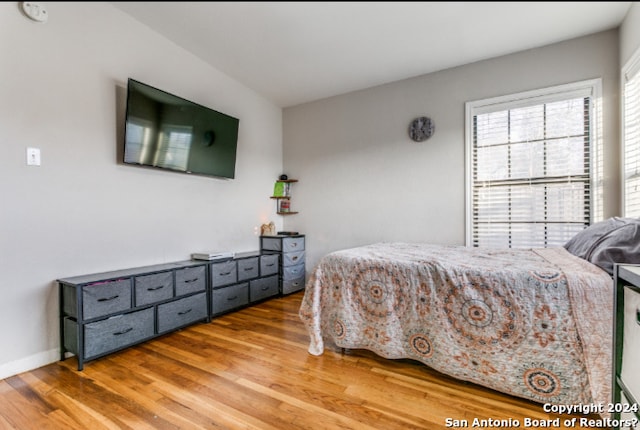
point(421, 129)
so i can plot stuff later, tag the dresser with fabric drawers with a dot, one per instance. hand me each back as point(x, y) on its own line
point(245, 279)
point(106, 312)
point(626, 357)
point(291, 249)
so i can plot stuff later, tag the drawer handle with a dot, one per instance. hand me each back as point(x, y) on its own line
point(108, 299)
point(185, 312)
point(295, 284)
point(188, 281)
point(230, 299)
point(294, 258)
point(248, 269)
point(225, 274)
point(159, 287)
point(294, 244)
point(126, 330)
point(270, 265)
point(264, 288)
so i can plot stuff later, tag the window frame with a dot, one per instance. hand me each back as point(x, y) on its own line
point(631, 70)
point(588, 88)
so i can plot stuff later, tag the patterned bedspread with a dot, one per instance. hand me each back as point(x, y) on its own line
point(531, 323)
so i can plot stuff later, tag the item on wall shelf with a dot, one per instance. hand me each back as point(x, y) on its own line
point(278, 189)
point(282, 189)
point(284, 205)
point(268, 229)
point(421, 129)
point(282, 193)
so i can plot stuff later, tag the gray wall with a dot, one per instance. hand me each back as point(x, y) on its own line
point(630, 33)
point(362, 180)
point(62, 89)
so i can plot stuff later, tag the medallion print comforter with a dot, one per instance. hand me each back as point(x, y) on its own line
point(533, 323)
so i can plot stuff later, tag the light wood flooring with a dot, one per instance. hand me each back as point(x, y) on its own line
point(248, 370)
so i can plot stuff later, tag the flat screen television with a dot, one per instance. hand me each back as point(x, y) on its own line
point(168, 132)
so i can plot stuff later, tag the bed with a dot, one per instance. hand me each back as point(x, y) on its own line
point(533, 323)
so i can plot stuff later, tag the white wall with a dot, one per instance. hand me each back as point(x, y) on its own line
point(362, 179)
point(62, 89)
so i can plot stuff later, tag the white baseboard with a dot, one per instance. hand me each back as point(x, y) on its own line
point(29, 363)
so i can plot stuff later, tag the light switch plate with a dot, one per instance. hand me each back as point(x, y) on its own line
point(33, 156)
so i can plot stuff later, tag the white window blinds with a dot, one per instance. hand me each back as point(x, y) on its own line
point(631, 136)
point(530, 164)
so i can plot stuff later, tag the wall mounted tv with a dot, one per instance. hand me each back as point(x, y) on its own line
point(168, 132)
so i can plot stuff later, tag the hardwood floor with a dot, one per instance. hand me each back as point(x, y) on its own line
point(248, 370)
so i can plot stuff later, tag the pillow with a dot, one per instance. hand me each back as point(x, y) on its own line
point(621, 245)
point(580, 244)
point(615, 240)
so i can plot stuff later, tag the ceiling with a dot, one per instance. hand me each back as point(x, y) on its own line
point(296, 52)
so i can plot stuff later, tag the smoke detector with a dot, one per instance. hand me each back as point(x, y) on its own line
point(35, 11)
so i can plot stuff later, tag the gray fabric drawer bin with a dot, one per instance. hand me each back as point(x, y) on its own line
point(269, 264)
point(293, 272)
point(291, 285)
point(227, 298)
point(224, 273)
point(117, 332)
point(248, 268)
point(182, 312)
point(292, 244)
point(153, 288)
point(105, 298)
point(190, 280)
point(292, 258)
point(270, 244)
point(284, 244)
point(264, 287)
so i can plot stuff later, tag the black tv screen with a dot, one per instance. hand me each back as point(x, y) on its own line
point(168, 132)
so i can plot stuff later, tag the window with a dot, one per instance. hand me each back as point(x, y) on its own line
point(138, 139)
point(170, 149)
point(631, 136)
point(175, 144)
point(533, 167)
